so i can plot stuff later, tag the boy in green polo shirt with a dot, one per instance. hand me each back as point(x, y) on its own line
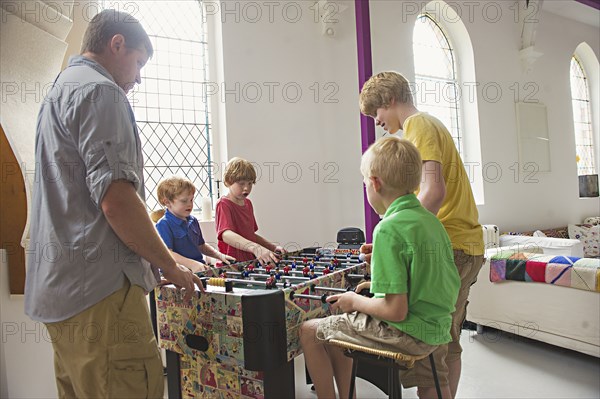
point(411, 250)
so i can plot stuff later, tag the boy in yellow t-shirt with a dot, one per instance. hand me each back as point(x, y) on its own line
point(444, 190)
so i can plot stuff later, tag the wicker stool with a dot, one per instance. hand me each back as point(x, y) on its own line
point(393, 361)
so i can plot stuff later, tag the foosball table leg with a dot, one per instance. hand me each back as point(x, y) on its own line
point(173, 375)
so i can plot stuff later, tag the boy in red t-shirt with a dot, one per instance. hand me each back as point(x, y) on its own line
point(236, 225)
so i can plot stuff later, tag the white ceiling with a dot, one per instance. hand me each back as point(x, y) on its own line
point(573, 10)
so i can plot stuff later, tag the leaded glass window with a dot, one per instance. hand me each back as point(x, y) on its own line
point(436, 85)
point(582, 117)
point(170, 104)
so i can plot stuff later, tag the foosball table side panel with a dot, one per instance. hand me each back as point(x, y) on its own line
point(216, 371)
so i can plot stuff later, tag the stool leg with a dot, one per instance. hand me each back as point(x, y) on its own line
point(391, 382)
point(394, 388)
point(435, 376)
point(353, 377)
point(398, 383)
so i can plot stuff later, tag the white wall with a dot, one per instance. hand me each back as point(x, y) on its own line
point(513, 201)
point(307, 132)
point(550, 199)
point(307, 148)
point(26, 356)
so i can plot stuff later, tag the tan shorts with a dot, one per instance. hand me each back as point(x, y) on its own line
point(108, 350)
point(468, 268)
point(362, 329)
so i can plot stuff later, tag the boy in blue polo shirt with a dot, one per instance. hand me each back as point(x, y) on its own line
point(180, 230)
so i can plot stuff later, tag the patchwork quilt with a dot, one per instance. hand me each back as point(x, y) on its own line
point(566, 271)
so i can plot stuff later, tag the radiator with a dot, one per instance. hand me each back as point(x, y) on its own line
point(491, 236)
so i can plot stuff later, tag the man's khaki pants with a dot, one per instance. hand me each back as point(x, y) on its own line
point(108, 350)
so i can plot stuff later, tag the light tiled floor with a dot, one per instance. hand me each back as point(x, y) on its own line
point(504, 366)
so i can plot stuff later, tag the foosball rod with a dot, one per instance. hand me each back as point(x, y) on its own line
point(297, 270)
point(286, 276)
point(365, 276)
point(322, 265)
point(331, 289)
point(258, 275)
point(322, 298)
point(226, 282)
point(321, 259)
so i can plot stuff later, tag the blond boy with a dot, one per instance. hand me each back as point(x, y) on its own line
point(180, 230)
point(409, 244)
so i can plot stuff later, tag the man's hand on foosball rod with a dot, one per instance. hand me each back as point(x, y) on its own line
point(184, 279)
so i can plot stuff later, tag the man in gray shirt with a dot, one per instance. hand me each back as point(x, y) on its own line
point(92, 242)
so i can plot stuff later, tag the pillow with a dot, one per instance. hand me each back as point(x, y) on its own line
point(518, 233)
point(546, 245)
point(595, 220)
point(559, 232)
point(589, 235)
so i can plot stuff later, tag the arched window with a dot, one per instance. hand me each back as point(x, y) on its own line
point(171, 104)
point(582, 117)
point(436, 82)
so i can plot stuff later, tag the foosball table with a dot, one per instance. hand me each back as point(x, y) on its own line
point(239, 339)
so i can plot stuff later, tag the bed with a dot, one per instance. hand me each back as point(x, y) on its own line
point(533, 305)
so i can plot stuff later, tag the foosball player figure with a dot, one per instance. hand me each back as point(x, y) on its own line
point(305, 271)
point(331, 267)
point(286, 270)
point(305, 260)
point(294, 265)
point(316, 258)
point(312, 266)
point(245, 274)
point(335, 262)
point(271, 282)
point(326, 271)
point(250, 268)
point(268, 267)
point(348, 255)
point(312, 274)
point(223, 274)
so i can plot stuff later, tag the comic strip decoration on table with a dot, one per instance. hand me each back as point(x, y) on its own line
point(239, 339)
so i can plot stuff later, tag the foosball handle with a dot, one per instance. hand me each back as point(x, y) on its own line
point(366, 292)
